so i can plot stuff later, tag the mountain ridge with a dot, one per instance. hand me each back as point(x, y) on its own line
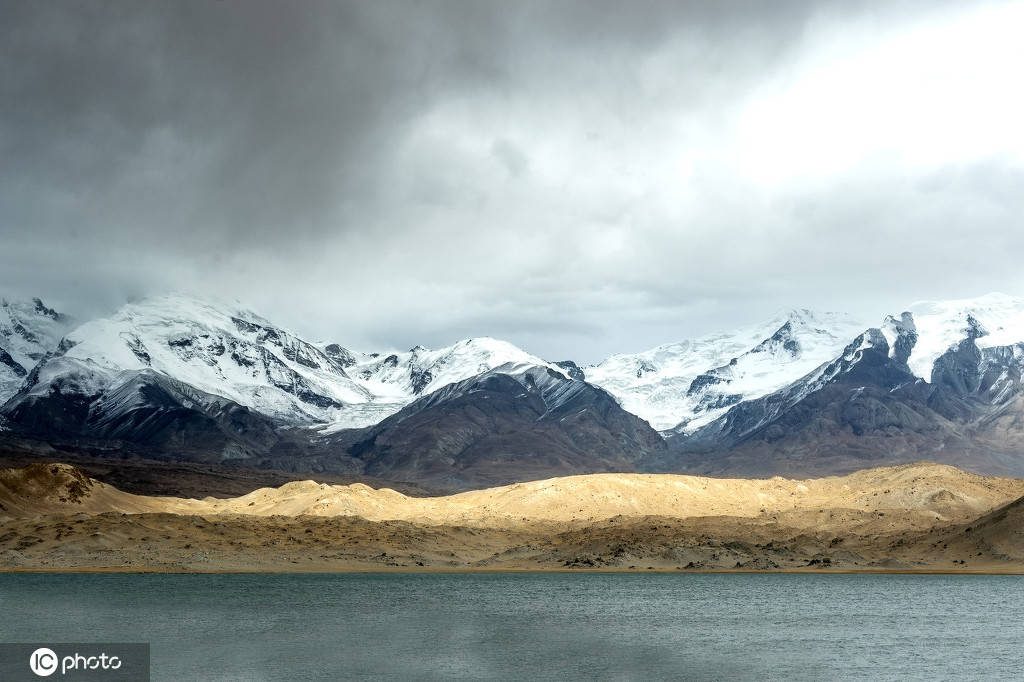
point(868, 405)
point(804, 392)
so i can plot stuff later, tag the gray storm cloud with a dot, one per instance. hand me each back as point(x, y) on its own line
point(579, 178)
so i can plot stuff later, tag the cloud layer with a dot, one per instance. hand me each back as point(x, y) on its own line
point(579, 178)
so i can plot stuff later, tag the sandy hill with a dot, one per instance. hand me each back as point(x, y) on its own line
point(942, 491)
point(55, 488)
point(998, 535)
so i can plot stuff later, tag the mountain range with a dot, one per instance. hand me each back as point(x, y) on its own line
point(182, 379)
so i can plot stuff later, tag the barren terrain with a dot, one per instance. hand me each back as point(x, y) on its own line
point(911, 517)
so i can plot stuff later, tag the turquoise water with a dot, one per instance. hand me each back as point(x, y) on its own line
point(535, 626)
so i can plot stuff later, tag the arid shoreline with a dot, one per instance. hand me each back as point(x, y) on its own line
point(924, 518)
point(499, 571)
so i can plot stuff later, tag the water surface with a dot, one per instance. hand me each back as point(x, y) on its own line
point(535, 626)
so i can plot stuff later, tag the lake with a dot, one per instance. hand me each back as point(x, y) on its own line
point(534, 626)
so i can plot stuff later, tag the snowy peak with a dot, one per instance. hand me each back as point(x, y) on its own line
point(900, 335)
point(404, 376)
point(340, 356)
point(552, 387)
point(875, 356)
point(953, 360)
point(991, 320)
point(690, 383)
point(222, 350)
point(29, 330)
point(227, 351)
point(868, 362)
point(397, 379)
point(782, 342)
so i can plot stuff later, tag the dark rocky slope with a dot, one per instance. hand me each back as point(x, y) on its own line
point(501, 427)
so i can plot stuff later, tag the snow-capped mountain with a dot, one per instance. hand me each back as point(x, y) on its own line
point(935, 383)
point(226, 351)
point(682, 386)
point(28, 331)
point(805, 392)
point(553, 388)
point(991, 320)
point(220, 350)
point(420, 370)
point(514, 422)
point(873, 359)
point(396, 379)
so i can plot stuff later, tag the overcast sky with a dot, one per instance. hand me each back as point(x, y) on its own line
point(578, 178)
